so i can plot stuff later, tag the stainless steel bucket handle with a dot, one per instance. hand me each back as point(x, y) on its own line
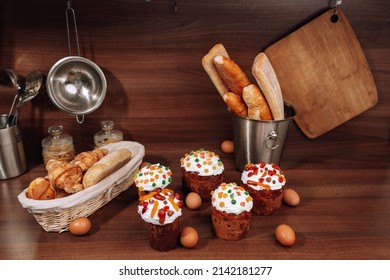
point(273, 140)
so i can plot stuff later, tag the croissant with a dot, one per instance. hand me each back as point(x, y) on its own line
point(86, 159)
point(65, 175)
point(61, 193)
point(41, 189)
point(75, 188)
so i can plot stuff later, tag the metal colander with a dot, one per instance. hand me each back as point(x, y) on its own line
point(75, 84)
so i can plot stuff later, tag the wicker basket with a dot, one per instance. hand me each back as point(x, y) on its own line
point(56, 215)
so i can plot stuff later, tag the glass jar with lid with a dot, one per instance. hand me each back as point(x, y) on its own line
point(108, 134)
point(57, 145)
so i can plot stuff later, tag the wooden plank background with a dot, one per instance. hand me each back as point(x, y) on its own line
point(150, 54)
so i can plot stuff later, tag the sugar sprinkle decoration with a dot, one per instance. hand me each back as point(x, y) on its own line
point(231, 198)
point(153, 176)
point(263, 175)
point(205, 163)
point(160, 207)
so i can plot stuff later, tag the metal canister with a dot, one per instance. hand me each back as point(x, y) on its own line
point(12, 156)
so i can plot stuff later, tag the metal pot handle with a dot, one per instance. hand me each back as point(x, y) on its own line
point(69, 9)
point(80, 121)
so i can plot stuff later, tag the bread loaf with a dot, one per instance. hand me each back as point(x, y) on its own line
point(240, 95)
point(209, 67)
point(232, 75)
point(106, 166)
point(257, 104)
point(236, 104)
point(266, 78)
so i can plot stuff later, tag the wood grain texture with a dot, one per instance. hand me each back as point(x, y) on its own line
point(159, 95)
point(323, 74)
point(343, 215)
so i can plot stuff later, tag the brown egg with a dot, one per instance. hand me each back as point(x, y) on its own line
point(80, 226)
point(189, 237)
point(285, 235)
point(291, 197)
point(227, 147)
point(193, 200)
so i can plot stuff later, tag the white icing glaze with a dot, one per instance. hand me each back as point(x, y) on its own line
point(153, 176)
point(263, 176)
point(231, 198)
point(205, 163)
point(166, 200)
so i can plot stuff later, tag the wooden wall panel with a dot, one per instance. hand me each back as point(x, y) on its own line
point(157, 88)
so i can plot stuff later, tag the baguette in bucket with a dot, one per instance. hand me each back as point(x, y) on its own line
point(266, 78)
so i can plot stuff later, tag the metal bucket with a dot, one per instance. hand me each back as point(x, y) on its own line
point(12, 156)
point(256, 141)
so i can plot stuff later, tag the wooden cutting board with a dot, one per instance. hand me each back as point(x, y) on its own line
point(323, 74)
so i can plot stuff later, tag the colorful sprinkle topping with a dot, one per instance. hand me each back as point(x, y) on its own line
point(262, 176)
point(160, 207)
point(153, 176)
point(205, 163)
point(231, 199)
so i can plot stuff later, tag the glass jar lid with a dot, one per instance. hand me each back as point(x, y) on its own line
point(56, 137)
point(107, 125)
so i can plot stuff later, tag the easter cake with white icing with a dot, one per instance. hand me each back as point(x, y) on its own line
point(265, 183)
point(202, 172)
point(231, 211)
point(161, 209)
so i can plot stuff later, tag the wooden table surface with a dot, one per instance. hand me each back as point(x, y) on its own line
point(160, 96)
point(343, 181)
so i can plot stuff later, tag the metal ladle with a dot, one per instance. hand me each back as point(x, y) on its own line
point(32, 88)
point(16, 82)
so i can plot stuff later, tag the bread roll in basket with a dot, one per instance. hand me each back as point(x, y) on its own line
point(56, 214)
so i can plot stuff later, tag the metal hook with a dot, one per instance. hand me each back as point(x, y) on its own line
point(175, 9)
point(337, 4)
point(80, 120)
